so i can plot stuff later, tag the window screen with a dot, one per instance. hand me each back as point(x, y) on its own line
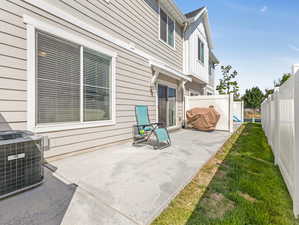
point(96, 86)
point(58, 80)
point(200, 50)
point(163, 25)
point(170, 32)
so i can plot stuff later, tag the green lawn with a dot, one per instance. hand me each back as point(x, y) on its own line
point(247, 189)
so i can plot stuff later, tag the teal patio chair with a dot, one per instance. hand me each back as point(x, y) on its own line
point(143, 131)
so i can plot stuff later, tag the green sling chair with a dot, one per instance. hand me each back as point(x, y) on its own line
point(144, 129)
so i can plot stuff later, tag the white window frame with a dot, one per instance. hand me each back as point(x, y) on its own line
point(202, 61)
point(33, 24)
point(174, 33)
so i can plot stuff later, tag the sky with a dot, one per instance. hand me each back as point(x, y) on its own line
point(258, 38)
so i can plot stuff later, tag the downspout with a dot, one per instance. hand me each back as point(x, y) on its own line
point(185, 27)
point(183, 82)
point(153, 88)
point(182, 87)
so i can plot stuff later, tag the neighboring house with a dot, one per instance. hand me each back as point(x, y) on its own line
point(74, 69)
point(199, 61)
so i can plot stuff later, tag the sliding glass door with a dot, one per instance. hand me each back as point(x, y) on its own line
point(167, 105)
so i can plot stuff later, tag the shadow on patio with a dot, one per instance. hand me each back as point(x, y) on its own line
point(45, 204)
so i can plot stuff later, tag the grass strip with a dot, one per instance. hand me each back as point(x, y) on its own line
point(239, 186)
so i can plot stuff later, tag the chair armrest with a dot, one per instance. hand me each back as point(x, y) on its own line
point(159, 124)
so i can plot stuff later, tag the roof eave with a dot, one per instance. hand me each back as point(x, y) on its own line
point(208, 28)
point(172, 8)
point(194, 18)
point(204, 13)
point(214, 58)
point(169, 71)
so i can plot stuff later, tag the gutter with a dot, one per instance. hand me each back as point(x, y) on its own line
point(186, 24)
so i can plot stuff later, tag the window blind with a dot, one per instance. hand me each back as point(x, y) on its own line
point(58, 80)
point(199, 49)
point(202, 52)
point(96, 86)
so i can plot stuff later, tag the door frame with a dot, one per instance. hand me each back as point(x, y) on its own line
point(171, 85)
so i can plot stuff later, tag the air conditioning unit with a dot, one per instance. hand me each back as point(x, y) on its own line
point(21, 158)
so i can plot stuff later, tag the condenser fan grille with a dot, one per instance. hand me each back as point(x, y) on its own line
point(20, 165)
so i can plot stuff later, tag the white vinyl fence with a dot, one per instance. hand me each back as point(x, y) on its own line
point(223, 104)
point(280, 121)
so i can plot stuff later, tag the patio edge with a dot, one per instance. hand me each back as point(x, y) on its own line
point(226, 145)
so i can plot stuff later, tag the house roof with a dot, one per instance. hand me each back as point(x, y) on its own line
point(194, 16)
point(172, 8)
point(194, 13)
point(181, 18)
point(189, 18)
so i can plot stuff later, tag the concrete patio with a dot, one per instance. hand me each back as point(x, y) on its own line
point(130, 185)
point(117, 185)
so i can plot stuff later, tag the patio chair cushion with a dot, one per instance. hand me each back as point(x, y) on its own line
point(142, 115)
point(162, 134)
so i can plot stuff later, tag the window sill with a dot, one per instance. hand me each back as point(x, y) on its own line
point(70, 126)
point(167, 45)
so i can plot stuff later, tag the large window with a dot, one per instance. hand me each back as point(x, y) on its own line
point(167, 28)
point(73, 82)
point(200, 50)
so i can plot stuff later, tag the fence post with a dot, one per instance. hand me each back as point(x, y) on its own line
point(296, 144)
point(230, 105)
point(277, 126)
point(295, 69)
point(242, 111)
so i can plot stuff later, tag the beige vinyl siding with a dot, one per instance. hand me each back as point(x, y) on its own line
point(131, 21)
point(133, 76)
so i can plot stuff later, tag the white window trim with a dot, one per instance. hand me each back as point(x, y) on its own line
point(174, 33)
point(32, 24)
point(171, 85)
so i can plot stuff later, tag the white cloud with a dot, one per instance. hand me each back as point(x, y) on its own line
point(293, 47)
point(264, 9)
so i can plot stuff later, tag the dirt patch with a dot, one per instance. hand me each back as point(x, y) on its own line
point(211, 168)
point(246, 196)
point(221, 173)
point(216, 205)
